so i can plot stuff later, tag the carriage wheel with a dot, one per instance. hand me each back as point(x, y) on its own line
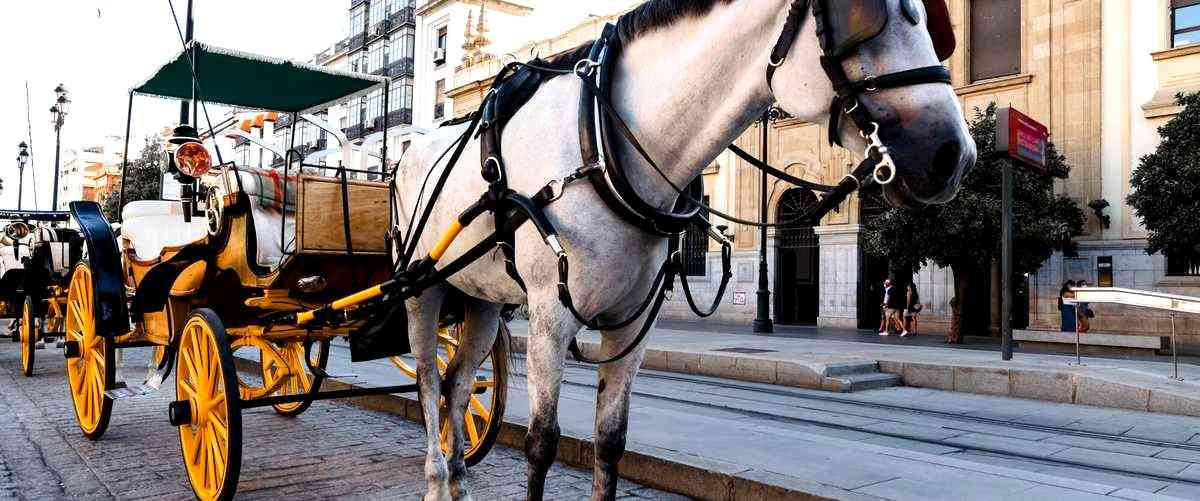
point(295, 368)
point(29, 337)
point(485, 409)
point(91, 372)
point(207, 408)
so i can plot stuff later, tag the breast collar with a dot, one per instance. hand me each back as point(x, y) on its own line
point(597, 146)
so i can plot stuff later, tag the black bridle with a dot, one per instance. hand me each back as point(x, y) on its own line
point(847, 99)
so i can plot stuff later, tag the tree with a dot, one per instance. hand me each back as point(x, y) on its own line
point(144, 176)
point(964, 234)
point(1166, 184)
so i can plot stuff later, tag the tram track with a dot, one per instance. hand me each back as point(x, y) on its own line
point(802, 395)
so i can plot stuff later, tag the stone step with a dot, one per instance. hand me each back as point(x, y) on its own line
point(847, 368)
point(859, 382)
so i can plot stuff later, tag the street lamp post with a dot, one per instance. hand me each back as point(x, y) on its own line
point(58, 115)
point(22, 157)
point(762, 319)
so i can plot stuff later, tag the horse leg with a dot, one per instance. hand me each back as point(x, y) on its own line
point(479, 332)
point(549, 327)
point(423, 313)
point(612, 408)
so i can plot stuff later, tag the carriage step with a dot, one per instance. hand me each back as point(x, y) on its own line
point(123, 390)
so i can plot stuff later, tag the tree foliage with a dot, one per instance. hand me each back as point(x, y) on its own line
point(964, 234)
point(144, 176)
point(1166, 184)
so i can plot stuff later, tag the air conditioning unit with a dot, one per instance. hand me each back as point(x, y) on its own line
point(439, 55)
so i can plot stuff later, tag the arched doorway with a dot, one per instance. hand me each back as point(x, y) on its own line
point(797, 262)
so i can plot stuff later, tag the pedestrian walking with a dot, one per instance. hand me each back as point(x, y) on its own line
point(912, 310)
point(1065, 310)
point(885, 309)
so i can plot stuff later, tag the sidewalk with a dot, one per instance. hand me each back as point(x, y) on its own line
point(802, 357)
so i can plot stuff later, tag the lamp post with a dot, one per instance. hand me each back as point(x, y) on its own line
point(58, 115)
point(762, 319)
point(22, 157)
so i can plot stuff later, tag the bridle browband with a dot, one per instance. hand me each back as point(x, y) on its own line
point(847, 92)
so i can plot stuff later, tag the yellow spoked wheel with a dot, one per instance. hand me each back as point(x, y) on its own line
point(29, 337)
point(210, 423)
point(485, 409)
point(91, 370)
point(293, 369)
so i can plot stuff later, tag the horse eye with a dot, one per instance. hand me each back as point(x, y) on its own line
point(909, 7)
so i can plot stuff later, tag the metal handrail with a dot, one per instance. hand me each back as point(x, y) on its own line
point(1172, 303)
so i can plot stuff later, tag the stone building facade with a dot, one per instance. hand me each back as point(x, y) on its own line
point(1099, 73)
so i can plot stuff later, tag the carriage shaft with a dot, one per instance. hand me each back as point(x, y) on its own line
point(328, 395)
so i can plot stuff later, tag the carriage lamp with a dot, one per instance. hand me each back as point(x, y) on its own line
point(22, 158)
point(192, 159)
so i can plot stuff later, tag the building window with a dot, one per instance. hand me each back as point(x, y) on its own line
point(694, 253)
point(439, 99)
point(377, 13)
point(995, 38)
point(1183, 263)
point(402, 94)
point(439, 56)
point(1185, 22)
point(357, 18)
point(377, 58)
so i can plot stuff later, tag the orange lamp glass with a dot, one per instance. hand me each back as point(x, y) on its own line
point(193, 159)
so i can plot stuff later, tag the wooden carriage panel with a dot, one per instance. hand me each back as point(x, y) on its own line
point(319, 225)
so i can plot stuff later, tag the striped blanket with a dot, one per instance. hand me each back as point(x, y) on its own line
point(270, 192)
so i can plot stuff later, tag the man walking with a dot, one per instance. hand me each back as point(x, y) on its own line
point(887, 308)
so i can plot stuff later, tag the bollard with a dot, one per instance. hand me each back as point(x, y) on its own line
point(1174, 355)
point(1075, 310)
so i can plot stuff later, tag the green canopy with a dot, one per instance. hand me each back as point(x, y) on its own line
point(248, 80)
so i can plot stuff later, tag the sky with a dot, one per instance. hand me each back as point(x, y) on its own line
point(99, 49)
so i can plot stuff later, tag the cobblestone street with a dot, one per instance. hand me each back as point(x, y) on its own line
point(334, 450)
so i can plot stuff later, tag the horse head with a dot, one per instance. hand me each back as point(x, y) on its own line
point(882, 75)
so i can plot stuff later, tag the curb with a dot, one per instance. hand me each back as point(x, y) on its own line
point(1105, 387)
point(662, 469)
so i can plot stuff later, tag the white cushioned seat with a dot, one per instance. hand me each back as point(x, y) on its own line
point(152, 225)
point(10, 255)
point(268, 245)
point(60, 251)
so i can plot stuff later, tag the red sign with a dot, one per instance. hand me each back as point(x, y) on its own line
point(1022, 138)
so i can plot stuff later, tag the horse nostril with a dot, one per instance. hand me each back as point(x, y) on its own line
point(945, 162)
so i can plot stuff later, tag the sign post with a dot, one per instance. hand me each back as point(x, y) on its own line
point(1020, 139)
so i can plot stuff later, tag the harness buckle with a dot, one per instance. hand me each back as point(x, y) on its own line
point(869, 82)
point(585, 67)
point(885, 167)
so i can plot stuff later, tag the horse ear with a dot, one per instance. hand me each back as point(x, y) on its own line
point(941, 31)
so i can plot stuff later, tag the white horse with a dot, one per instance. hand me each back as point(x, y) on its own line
point(691, 79)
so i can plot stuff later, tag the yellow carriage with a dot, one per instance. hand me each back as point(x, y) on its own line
point(247, 259)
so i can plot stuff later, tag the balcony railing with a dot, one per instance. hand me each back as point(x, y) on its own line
point(356, 41)
point(354, 132)
point(356, 3)
point(341, 46)
point(283, 121)
point(324, 55)
point(379, 29)
point(402, 116)
point(402, 17)
point(399, 68)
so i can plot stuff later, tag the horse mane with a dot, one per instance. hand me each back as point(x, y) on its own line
point(645, 18)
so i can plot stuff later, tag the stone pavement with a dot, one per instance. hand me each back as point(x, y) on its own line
point(335, 450)
point(796, 359)
point(714, 438)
